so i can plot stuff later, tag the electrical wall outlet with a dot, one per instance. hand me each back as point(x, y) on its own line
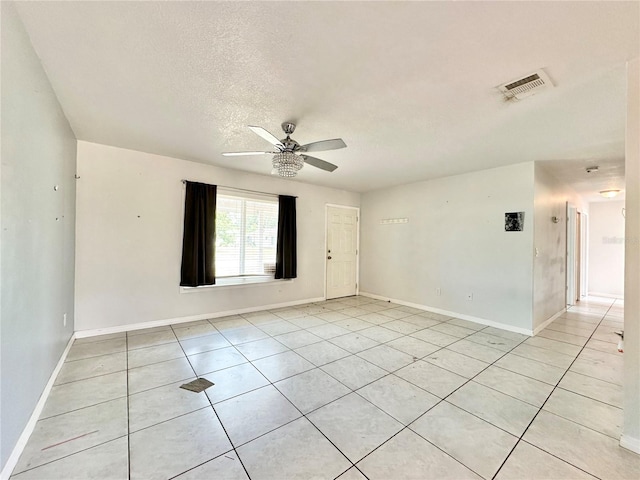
point(469, 296)
point(438, 292)
point(64, 319)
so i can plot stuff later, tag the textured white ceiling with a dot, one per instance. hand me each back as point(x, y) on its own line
point(408, 86)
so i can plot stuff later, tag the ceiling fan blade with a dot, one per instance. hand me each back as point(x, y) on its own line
point(269, 137)
point(239, 154)
point(323, 145)
point(321, 164)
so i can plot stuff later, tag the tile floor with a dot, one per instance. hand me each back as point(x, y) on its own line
point(352, 388)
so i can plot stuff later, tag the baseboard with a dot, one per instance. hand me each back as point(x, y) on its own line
point(31, 424)
point(192, 318)
point(630, 443)
point(481, 321)
point(605, 295)
point(544, 324)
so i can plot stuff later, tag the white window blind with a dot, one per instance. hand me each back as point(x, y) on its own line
point(246, 234)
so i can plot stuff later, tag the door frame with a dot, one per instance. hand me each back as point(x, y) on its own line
point(572, 213)
point(577, 244)
point(326, 243)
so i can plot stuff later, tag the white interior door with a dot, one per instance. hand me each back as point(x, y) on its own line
point(342, 251)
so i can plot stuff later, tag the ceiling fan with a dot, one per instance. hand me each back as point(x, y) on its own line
point(291, 156)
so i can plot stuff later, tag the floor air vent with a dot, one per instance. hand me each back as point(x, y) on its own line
point(526, 86)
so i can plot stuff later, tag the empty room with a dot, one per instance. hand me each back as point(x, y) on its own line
point(320, 240)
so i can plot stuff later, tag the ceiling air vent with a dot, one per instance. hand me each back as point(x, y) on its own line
point(526, 86)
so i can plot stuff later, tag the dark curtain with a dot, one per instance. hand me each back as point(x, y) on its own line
point(198, 241)
point(286, 252)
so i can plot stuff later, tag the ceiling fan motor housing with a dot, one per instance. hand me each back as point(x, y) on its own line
point(288, 127)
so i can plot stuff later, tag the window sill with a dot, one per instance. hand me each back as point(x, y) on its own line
point(236, 282)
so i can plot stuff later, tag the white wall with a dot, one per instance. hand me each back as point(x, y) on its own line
point(130, 209)
point(606, 248)
point(550, 265)
point(631, 404)
point(454, 240)
point(38, 152)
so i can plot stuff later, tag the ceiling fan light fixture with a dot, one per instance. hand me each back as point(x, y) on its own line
point(609, 193)
point(287, 164)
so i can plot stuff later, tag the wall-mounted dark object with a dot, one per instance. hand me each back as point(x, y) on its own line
point(513, 221)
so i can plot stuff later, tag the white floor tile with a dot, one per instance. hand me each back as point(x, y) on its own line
point(84, 393)
point(530, 368)
point(311, 390)
point(282, 365)
point(433, 379)
point(437, 338)
point(151, 339)
point(92, 367)
point(499, 409)
point(56, 437)
point(412, 346)
point(297, 339)
point(279, 328)
point(108, 461)
point(354, 372)
point(456, 362)
point(156, 354)
point(454, 330)
point(328, 331)
point(163, 403)
point(484, 408)
point(203, 344)
point(244, 335)
point(261, 348)
point(493, 341)
point(352, 474)
point(354, 425)
point(294, 451)
point(227, 467)
point(600, 390)
point(530, 463)
point(482, 447)
point(590, 413)
point(172, 447)
point(204, 363)
point(416, 458)
point(255, 413)
point(233, 381)
point(197, 329)
point(88, 350)
point(523, 388)
point(158, 374)
point(387, 357)
point(380, 334)
point(402, 400)
point(587, 449)
point(543, 355)
point(477, 351)
point(562, 347)
point(354, 342)
point(353, 324)
point(322, 353)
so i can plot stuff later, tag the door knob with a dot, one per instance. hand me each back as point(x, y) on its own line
point(329, 258)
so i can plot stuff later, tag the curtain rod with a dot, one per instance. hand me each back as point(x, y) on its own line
point(243, 190)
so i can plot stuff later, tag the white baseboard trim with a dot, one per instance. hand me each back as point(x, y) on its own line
point(481, 321)
point(192, 318)
point(31, 424)
point(630, 443)
point(544, 324)
point(605, 295)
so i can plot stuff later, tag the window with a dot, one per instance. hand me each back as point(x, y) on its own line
point(246, 235)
